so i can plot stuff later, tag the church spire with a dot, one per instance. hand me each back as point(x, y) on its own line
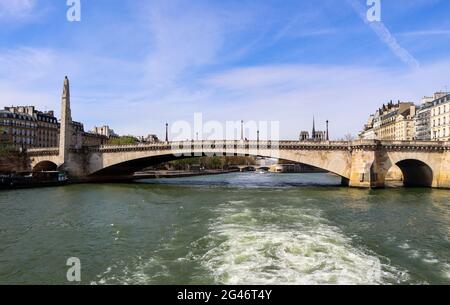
point(313, 134)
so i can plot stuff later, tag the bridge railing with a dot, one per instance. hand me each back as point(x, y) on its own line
point(217, 145)
point(414, 143)
point(273, 144)
point(43, 151)
point(224, 144)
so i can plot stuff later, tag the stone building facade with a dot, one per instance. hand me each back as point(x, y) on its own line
point(430, 121)
point(26, 127)
point(81, 138)
point(104, 131)
point(18, 129)
point(440, 118)
point(422, 121)
point(91, 139)
point(151, 138)
point(392, 122)
point(404, 125)
point(47, 131)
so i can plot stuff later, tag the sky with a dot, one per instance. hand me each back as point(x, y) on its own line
point(137, 64)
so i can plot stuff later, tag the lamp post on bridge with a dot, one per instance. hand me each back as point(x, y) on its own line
point(167, 132)
point(257, 139)
point(328, 135)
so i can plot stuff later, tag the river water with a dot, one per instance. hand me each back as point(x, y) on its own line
point(235, 228)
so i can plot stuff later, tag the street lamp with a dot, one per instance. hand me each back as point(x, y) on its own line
point(167, 132)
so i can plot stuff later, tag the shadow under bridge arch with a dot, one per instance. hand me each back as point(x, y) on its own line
point(416, 173)
point(126, 169)
point(45, 166)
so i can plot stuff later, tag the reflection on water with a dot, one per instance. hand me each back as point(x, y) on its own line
point(234, 229)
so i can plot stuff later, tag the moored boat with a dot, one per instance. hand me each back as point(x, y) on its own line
point(32, 179)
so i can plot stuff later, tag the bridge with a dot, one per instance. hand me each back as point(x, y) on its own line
point(363, 163)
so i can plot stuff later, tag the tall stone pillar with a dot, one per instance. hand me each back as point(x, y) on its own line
point(65, 135)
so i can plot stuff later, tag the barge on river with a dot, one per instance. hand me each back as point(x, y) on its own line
point(32, 179)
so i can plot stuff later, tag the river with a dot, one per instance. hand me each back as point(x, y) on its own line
point(239, 228)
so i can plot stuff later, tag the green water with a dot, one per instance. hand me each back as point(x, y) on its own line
point(232, 229)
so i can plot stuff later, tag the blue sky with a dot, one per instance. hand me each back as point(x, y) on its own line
point(135, 64)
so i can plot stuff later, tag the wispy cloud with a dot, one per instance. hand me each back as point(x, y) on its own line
point(293, 93)
point(385, 35)
point(183, 38)
point(290, 93)
point(426, 33)
point(180, 57)
point(16, 9)
point(28, 76)
point(23, 65)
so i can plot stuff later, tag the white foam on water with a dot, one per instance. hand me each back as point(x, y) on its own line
point(431, 260)
point(447, 271)
point(413, 253)
point(404, 246)
point(264, 245)
point(137, 272)
point(426, 257)
point(307, 251)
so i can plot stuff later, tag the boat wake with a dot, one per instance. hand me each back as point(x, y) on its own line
point(302, 249)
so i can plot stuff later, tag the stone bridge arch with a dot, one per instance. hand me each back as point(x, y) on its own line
point(111, 163)
point(44, 166)
point(419, 169)
point(44, 159)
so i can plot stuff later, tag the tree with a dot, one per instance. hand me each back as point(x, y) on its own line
point(124, 140)
point(184, 164)
point(349, 137)
point(216, 162)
